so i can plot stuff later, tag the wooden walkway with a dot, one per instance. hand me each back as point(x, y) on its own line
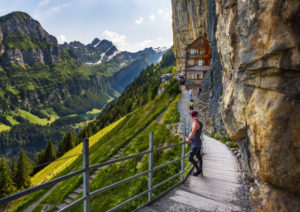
point(220, 188)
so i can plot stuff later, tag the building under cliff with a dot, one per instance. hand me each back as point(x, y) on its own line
point(198, 57)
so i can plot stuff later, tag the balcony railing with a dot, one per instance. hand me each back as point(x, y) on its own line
point(87, 195)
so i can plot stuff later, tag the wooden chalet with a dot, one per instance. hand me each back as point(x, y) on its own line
point(198, 56)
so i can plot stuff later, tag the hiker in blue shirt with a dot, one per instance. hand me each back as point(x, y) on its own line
point(191, 94)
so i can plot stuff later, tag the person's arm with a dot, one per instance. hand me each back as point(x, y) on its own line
point(194, 130)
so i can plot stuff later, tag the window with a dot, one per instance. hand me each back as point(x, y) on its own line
point(201, 51)
point(192, 51)
point(200, 62)
point(201, 41)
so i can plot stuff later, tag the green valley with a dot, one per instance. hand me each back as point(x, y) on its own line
point(140, 110)
point(47, 89)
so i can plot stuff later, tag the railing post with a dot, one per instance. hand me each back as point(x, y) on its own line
point(182, 155)
point(150, 166)
point(85, 149)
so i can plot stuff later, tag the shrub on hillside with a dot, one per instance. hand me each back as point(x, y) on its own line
point(173, 87)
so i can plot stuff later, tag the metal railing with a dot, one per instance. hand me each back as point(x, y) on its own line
point(86, 168)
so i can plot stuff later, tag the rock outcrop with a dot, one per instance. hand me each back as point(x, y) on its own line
point(23, 41)
point(258, 45)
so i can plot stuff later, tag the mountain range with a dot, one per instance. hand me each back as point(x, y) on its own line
point(42, 81)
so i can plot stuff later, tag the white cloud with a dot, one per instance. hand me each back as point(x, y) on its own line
point(41, 14)
point(123, 45)
point(43, 3)
point(59, 7)
point(160, 11)
point(167, 17)
point(139, 21)
point(152, 17)
point(61, 38)
point(118, 39)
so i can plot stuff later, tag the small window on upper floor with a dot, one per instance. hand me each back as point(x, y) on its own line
point(201, 51)
point(192, 51)
point(201, 41)
point(200, 62)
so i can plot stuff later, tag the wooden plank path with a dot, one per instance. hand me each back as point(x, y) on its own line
point(220, 188)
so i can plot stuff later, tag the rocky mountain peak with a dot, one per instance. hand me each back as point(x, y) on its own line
point(95, 42)
point(25, 42)
point(96, 52)
point(17, 15)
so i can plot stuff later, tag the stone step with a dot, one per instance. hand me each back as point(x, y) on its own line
point(72, 195)
point(78, 190)
point(93, 175)
point(62, 205)
point(68, 200)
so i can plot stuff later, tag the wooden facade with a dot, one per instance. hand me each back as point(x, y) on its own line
point(198, 56)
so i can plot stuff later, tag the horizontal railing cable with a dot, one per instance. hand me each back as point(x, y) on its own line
point(130, 178)
point(131, 156)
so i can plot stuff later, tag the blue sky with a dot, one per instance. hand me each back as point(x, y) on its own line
point(130, 24)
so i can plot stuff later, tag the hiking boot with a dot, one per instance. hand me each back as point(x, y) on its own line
point(197, 172)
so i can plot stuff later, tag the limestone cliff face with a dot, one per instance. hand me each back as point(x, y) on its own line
point(258, 45)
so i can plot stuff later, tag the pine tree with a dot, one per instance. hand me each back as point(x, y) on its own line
point(69, 142)
point(24, 171)
point(45, 156)
point(14, 170)
point(38, 160)
point(61, 148)
point(7, 185)
point(50, 152)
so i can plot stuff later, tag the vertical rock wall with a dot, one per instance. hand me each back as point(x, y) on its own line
point(259, 44)
point(255, 45)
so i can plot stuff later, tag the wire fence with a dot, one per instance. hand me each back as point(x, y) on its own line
point(87, 167)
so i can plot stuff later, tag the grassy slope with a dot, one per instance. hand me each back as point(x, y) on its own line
point(124, 133)
point(59, 167)
point(110, 145)
point(111, 174)
point(3, 127)
point(56, 168)
point(35, 119)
